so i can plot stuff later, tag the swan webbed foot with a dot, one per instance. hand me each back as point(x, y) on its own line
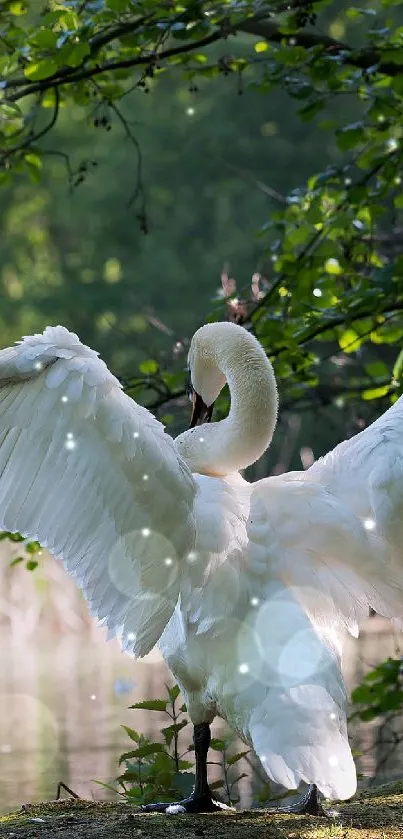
point(194, 804)
point(309, 804)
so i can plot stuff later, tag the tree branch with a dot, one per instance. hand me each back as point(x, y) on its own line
point(268, 30)
point(259, 25)
point(68, 76)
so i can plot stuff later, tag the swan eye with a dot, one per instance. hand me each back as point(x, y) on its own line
point(189, 386)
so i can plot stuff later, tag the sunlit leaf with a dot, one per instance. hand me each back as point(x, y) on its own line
point(40, 69)
point(375, 392)
point(261, 46)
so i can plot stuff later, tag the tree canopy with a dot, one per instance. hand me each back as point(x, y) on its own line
point(327, 304)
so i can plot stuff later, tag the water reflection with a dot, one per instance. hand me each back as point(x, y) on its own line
point(64, 690)
point(61, 708)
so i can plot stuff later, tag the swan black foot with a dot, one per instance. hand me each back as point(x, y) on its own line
point(193, 804)
point(201, 800)
point(309, 804)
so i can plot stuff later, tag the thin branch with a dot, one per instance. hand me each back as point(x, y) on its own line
point(66, 158)
point(243, 173)
point(33, 138)
point(139, 191)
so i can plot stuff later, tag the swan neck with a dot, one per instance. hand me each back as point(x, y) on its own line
point(247, 431)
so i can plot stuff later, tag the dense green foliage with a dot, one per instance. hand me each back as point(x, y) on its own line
point(167, 187)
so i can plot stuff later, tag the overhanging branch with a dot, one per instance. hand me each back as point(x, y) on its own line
point(258, 25)
point(268, 30)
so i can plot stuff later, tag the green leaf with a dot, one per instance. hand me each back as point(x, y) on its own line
point(143, 751)
point(375, 392)
point(16, 561)
point(218, 745)
point(349, 341)
point(235, 758)
point(45, 38)
point(332, 266)
point(33, 160)
point(149, 367)
point(185, 764)
point(174, 691)
point(35, 71)
point(10, 110)
point(376, 369)
point(363, 693)
point(398, 201)
point(398, 367)
point(70, 20)
point(17, 8)
point(170, 730)
point(261, 46)
point(77, 54)
point(13, 537)
point(350, 136)
point(118, 5)
point(309, 111)
point(31, 564)
point(32, 547)
point(151, 705)
point(369, 714)
point(134, 735)
point(216, 784)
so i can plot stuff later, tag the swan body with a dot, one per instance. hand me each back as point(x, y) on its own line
point(247, 587)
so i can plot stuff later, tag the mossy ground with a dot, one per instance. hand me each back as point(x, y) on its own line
point(372, 814)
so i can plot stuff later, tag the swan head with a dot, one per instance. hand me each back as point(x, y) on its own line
point(205, 379)
point(220, 353)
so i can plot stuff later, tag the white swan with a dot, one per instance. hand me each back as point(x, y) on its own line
point(246, 586)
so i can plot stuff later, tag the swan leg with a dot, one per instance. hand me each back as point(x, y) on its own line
point(201, 799)
point(309, 804)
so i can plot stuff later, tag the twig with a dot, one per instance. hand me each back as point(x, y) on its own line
point(61, 785)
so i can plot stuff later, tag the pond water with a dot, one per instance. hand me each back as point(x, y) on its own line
point(65, 691)
point(62, 704)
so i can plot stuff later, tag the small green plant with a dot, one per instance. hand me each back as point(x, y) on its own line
point(155, 770)
point(164, 770)
point(226, 785)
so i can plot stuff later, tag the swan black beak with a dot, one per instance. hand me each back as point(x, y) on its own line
point(201, 413)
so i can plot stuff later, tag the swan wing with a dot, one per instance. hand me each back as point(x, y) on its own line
point(306, 537)
point(94, 478)
point(366, 472)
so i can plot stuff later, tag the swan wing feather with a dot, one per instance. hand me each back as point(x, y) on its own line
point(305, 536)
point(94, 478)
point(366, 471)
